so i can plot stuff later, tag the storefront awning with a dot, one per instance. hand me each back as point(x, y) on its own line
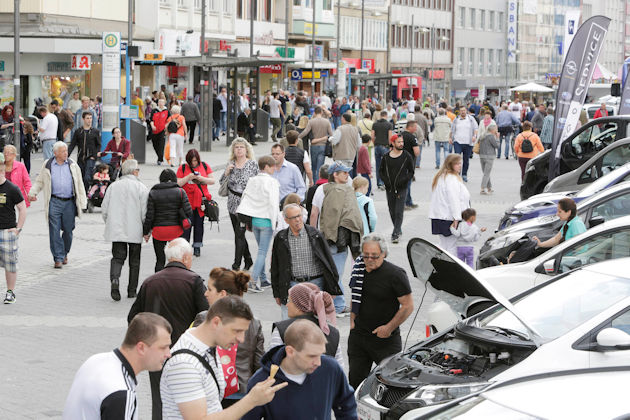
point(383, 76)
point(224, 61)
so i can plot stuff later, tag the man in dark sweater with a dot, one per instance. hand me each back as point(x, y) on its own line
point(411, 146)
point(176, 293)
point(317, 384)
point(396, 171)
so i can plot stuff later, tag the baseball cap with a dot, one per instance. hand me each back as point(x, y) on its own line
point(338, 167)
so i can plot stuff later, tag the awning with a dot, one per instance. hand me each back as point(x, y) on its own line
point(382, 76)
point(531, 87)
point(228, 61)
point(602, 72)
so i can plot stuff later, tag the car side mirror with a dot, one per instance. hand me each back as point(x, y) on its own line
point(595, 220)
point(549, 267)
point(613, 338)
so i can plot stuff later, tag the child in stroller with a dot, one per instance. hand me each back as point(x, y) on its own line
point(99, 184)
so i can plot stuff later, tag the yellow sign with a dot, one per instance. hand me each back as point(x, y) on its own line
point(307, 74)
point(308, 28)
point(153, 57)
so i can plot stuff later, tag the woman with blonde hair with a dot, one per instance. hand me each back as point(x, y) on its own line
point(240, 168)
point(449, 198)
point(177, 133)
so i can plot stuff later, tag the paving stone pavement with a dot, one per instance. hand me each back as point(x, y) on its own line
point(62, 317)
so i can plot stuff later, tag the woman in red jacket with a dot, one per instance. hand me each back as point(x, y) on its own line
point(194, 176)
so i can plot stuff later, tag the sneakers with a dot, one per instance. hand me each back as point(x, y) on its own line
point(115, 293)
point(265, 285)
point(197, 251)
point(254, 288)
point(10, 297)
point(465, 178)
point(483, 192)
point(395, 239)
point(344, 313)
point(411, 207)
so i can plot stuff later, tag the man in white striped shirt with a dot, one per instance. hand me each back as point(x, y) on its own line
point(105, 385)
point(192, 384)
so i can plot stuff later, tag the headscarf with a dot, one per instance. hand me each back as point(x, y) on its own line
point(309, 299)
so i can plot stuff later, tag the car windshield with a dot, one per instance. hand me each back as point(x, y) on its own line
point(480, 408)
point(562, 305)
point(604, 181)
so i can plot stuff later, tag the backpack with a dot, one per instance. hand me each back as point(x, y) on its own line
point(526, 145)
point(172, 127)
point(159, 120)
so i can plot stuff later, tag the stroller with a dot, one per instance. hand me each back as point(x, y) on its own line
point(98, 187)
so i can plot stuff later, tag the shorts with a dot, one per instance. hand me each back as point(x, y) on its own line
point(8, 250)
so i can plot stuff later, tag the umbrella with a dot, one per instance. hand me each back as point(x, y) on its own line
point(531, 87)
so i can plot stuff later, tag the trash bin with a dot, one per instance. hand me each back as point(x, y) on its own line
point(262, 125)
point(138, 139)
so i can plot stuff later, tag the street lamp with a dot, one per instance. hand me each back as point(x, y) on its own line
point(432, 46)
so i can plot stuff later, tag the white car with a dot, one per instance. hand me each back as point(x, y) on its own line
point(553, 327)
point(607, 241)
point(548, 396)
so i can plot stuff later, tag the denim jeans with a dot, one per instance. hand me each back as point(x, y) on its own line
point(317, 159)
point(340, 258)
point(87, 169)
point(223, 120)
point(336, 122)
point(283, 308)
point(443, 145)
point(197, 226)
point(504, 139)
point(47, 148)
point(263, 237)
point(464, 150)
point(61, 216)
point(379, 152)
point(408, 200)
point(419, 157)
point(216, 129)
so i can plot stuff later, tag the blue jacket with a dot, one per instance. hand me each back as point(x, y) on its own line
point(362, 200)
point(505, 118)
point(323, 391)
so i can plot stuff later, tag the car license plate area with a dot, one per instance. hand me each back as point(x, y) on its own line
point(367, 413)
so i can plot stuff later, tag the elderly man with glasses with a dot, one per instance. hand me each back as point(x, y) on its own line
point(300, 254)
point(385, 302)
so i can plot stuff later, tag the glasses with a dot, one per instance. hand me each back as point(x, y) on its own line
point(371, 257)
point(297, 217)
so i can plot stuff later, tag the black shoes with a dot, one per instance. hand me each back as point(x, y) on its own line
point(197, 251)
point(131, 294)
point(115, 293)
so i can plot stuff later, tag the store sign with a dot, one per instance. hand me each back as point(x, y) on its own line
point(58, 66)
point(355, 63)
point(308, 28)
point(436, 74)
point(81, 62)
point(299, 74)
point(271, 68)
point(111, 82)
point(511, 30)
point(153, 57)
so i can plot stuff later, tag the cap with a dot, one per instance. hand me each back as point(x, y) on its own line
point(338, 167)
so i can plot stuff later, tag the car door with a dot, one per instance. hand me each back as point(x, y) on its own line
point(604, 246)
point(612, 208)
point(587, 144)
point(598, 357)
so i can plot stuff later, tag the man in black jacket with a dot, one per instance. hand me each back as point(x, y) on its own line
point(300, 254)
point(177, 294)
point(87, 140)
point(396, 171)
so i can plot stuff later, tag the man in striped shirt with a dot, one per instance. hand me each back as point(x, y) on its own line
point(192, 384)
point(105, 385)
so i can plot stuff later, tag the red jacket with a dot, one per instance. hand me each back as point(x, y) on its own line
point(599, 113)
point(363, 163)
point(194, 191)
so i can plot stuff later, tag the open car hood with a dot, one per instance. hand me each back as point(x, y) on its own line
point(453, 281)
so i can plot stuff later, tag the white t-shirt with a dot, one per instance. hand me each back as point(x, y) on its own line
point(390, 114)
point(185, 379)
point(104, 384)
point(411, 105)
point(48, 127)
point(298, 379)
point(462, 134)
point(515, 109)
point(274, 108)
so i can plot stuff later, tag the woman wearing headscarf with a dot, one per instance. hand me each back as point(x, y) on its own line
point(307, 301)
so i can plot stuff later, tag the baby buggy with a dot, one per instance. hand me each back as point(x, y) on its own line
point(104, 174)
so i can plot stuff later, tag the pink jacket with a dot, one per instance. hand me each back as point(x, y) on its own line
point(20, 177)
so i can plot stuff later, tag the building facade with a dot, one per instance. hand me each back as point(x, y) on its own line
point(480, 49)
point(416, 26)
point(617, 43)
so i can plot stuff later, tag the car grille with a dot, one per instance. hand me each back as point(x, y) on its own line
point(390, 396)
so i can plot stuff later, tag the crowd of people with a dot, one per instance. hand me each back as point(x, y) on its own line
point(311, 216)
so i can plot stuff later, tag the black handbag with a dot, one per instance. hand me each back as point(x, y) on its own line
point(328, 149)
point(211, 210)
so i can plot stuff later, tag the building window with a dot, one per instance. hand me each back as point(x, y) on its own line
point(499, 60)
point(491, 17)
point(227, 8)
point(213, 6)
point(164, 2)
point(197, 4)
point(490, 61)
point(482, 20)
point(462, 17)
point(460, 61)
point(482, 60)
point(326, 5)
point(297, 2)
point(181, 4)
point(500, 23)
point(473, 13)
point(471, 61)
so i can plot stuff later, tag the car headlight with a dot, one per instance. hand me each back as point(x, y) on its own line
point(504, 240)
point(435, 394)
